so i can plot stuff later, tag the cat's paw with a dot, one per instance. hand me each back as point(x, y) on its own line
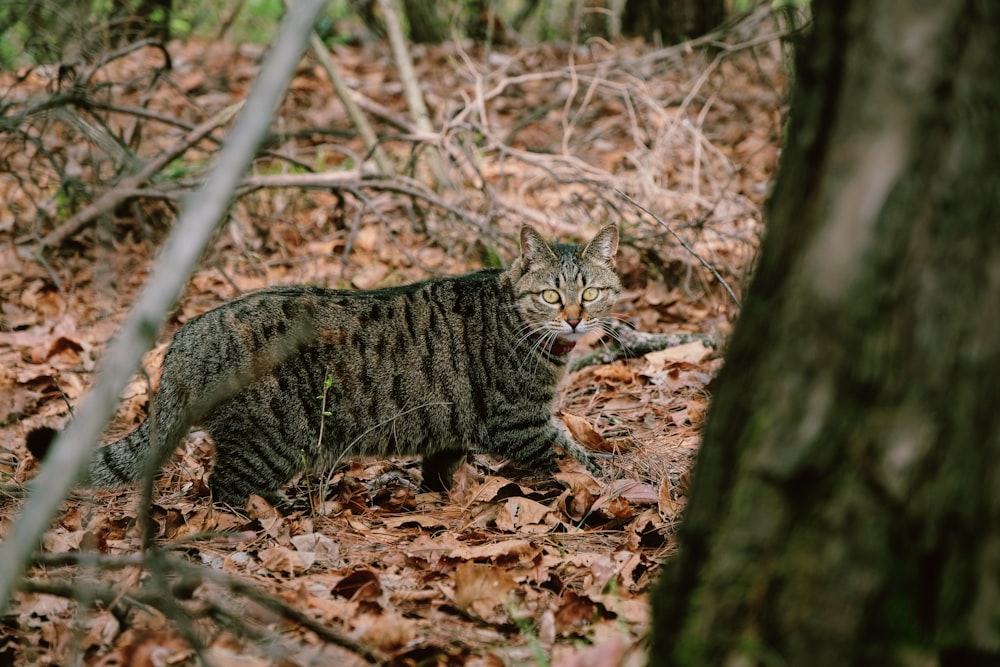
point(578, 452)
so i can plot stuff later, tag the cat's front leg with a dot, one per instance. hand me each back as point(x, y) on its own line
point(577, 451)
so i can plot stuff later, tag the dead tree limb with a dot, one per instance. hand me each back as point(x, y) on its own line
point(411, 86)
point(188, 575)
point(116, 195)
point(627, 343)
point(346, 96)
point(204, 210)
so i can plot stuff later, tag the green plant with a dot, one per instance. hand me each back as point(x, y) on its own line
point(523, 622)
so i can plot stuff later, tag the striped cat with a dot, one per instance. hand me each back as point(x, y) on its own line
point(298, 377)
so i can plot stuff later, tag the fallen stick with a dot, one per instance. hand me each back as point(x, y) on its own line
point(627, 343)
point(120, 192)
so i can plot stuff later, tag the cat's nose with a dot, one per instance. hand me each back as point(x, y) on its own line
point(573, 322)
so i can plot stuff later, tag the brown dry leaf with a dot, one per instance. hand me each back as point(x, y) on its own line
point(608, 653)
point(322, 548)
point(481, 589)
point(495, 488)
point(59, 541)
point(370, 276)
point(431, 549)
point(583, 490)
point(623, 402)
point(612, 507)
point(102, 628)
point(220, 656)
point(584, 433)
point(614, 374)
point(676, 376)
point(692, 353)
point(283, 559)
point(647, 532)
point(330, 610)
point(44, 299)
point(575, 613)
point(516, 550)
point(464, 482)
point(668, 507)
point(270, 518)
point(429, 521)
point(362, 584)
point(634, 491)
point(153, 649)
point(520, 514)
point(387, 631)
point(368, 238)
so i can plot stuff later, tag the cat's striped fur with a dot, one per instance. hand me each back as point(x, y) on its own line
point(427, 369)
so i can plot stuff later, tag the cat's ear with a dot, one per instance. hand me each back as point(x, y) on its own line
point(604, 246)
point(533, 247)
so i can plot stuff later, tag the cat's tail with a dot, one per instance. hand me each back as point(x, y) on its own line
point(116, 464)
point(121, 462)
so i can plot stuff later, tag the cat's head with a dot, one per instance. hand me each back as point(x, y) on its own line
point(564, 291)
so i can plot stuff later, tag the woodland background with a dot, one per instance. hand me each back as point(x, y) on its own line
point(111, 116)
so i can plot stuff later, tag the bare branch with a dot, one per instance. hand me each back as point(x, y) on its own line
point(411, 87)
point(686, 246)
point(199, 218)
point(347, 99)
point(120, 192)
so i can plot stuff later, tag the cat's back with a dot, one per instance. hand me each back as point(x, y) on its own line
point(438, 313)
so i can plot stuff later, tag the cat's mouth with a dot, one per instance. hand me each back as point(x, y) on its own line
point(562, 345)
point(559, 345)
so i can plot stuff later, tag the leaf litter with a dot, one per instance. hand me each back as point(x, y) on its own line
point(508, 567)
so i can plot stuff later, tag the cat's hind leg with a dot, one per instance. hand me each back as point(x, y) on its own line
point(439, 468)
point(243, 466)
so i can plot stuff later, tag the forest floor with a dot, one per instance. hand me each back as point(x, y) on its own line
point(678, 146)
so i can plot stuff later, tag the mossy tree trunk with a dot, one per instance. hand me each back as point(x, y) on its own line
point(846, 503)
point(427, 26)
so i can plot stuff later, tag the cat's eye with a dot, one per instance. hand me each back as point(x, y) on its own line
point(590, 293)
point(550, 296)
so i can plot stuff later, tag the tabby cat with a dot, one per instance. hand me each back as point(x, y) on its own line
point(290, 378)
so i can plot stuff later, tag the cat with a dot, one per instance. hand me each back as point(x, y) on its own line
point(297, 377)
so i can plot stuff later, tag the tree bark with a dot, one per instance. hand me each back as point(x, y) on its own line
point(426, 26)
point(846, 503)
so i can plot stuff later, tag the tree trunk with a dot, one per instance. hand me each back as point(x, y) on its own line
point(671, 21)
point(846, 502)
point(426, 26)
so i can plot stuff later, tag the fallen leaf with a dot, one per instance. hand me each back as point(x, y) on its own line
point(614, 374)
point(693, 353)
point(518, 513)
point(283, 559)
point(516, 550)
point(609, 653)
point(584, 433)
point(480, 589)
point(575, 613)
point(428, 521)
point(370, 276)
point(634, 491)
point(323, 549)
point(362, 584)
point(388, 631)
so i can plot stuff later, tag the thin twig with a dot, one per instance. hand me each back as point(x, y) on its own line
point(204, 210)
point(411, 86)
point(111, 198)
point(347, 99)
point(685, 245)
point(188, 572)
